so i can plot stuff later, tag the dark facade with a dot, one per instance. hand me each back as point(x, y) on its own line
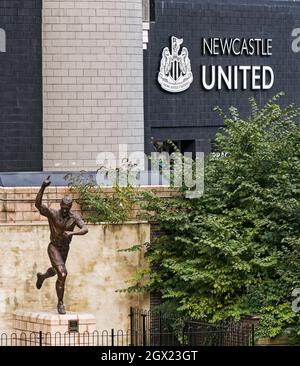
point(188, 116)
point(21, 86)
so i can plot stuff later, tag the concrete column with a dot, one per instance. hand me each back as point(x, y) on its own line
point(92, 80)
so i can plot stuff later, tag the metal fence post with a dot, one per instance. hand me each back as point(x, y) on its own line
point(40, 339)
point(112, 337)
point(144, 329)
point(253, 336)
point(131, 315)
point(190, 343)
point(160, 329)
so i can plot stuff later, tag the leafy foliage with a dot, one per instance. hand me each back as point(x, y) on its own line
point(236, 250)
point(98, 205)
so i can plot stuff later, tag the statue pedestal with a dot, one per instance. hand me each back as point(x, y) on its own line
point(48, 328)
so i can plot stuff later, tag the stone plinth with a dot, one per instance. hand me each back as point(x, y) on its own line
point(50, 328)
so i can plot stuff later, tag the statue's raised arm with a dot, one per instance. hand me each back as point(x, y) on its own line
point(44, 210)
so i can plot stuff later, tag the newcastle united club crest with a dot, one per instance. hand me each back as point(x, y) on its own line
point(175, 73)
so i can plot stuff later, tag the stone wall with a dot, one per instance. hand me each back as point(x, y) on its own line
point(17, 205)
point(92, 80)
point(95, 271)
point(96, 268)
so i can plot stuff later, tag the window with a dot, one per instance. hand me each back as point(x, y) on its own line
point(184, 146)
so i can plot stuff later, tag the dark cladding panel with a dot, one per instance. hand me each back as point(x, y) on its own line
point(177, 116)
point(21, 86)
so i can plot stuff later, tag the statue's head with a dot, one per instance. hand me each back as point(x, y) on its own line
point(66, 205)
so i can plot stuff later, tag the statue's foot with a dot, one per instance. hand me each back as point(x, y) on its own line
point(61, 309)
point(40, 280)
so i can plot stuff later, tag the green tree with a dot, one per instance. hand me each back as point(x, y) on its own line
point(236, 250)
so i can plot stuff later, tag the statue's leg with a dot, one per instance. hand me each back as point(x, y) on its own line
point(60, 287)
point(41, 277)
point(50, 272)
point(58, 257)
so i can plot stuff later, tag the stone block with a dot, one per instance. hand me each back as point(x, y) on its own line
point(55, 328)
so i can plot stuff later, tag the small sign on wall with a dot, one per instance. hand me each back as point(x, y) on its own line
point(73, 326)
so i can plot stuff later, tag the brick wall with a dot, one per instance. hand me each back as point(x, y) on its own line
point(21, 86)
point(93, 80)
point(17, 205)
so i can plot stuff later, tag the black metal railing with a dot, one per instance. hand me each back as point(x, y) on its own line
point(148, 328)
point(198, 334)
point(34, 339)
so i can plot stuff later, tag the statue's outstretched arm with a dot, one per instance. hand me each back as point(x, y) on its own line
point(83, 229)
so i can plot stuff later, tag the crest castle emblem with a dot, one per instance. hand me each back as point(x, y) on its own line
point(175, 73)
